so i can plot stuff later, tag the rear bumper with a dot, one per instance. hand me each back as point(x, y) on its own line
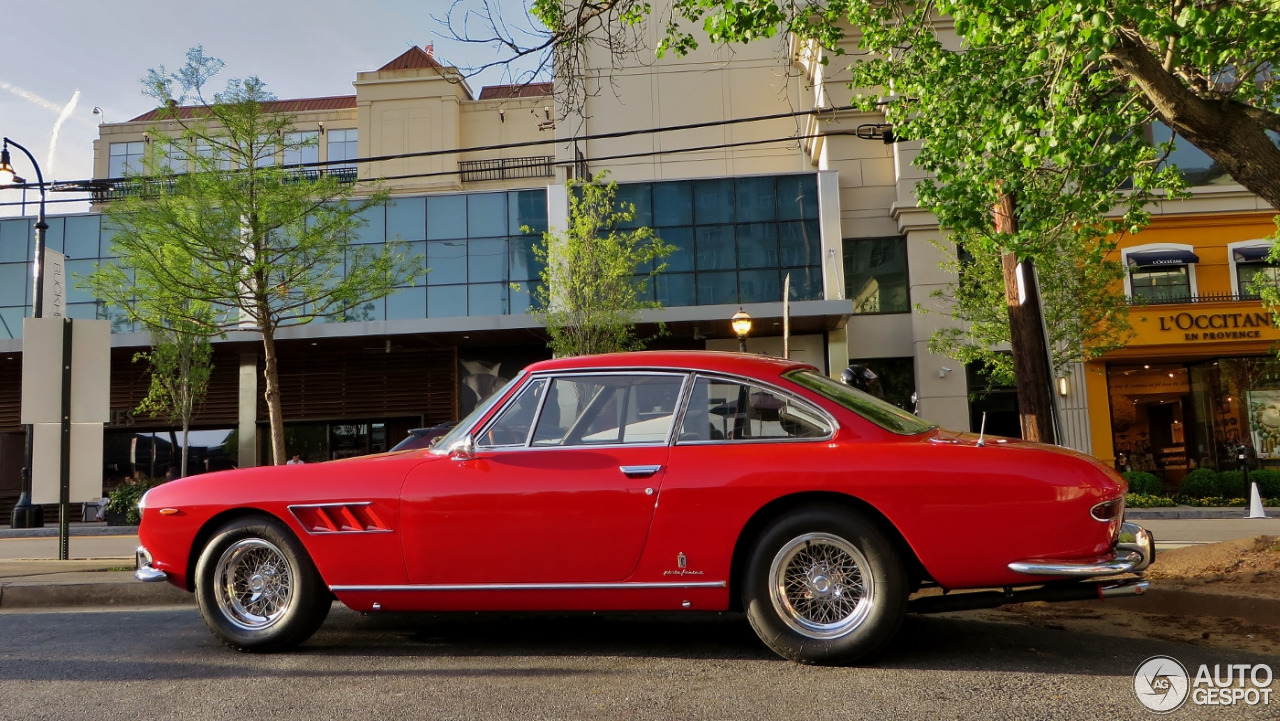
point(1135, 551)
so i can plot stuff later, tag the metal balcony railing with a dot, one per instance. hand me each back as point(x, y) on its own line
point(538, 166)
point(1201, 298)
point(117, 188)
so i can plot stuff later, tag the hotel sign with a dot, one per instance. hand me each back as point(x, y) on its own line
point(1218, 326)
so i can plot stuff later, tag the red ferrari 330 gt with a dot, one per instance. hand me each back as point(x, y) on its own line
point(655, 481)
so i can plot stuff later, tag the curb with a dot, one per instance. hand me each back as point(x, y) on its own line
point(102, 594)
point(75, 531)
point(1187, 512)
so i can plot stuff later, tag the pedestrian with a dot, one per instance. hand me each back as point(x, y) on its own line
point(295, 461)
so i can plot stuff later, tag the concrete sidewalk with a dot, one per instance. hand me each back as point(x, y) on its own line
point(102, 575)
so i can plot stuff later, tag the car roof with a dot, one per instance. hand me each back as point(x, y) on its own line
point(717, 361)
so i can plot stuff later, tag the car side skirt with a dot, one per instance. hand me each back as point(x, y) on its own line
point(635, 596)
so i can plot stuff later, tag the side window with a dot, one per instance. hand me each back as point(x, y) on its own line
point(512, 426)
point(724, 410)
point(608, 410)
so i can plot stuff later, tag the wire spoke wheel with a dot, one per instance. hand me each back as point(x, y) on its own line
point(821, 585)
point(253, 584)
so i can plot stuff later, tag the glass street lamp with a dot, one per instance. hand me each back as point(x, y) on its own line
point(741, 324)
point(25, 514)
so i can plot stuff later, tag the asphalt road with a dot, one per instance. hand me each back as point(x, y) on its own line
point(163, 664)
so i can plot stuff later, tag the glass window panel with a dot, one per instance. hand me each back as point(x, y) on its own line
point(523, 264)
point(374, 228)
point(11, 322)
point(416, 249)
point(82, 236)
point(446, 301)
point(644, 288)
point(722, 410)
point(104, 245)
point(713, 201)
point(514, 422)
point(638, 195)
point(77, 273)
point(757, 245)
point(1192, 162)
point(806, 283)
point(1250, 274)
point(485, 215)
point(371, 310)
point(82, 311)
point(447, 260)
point(15, 240)
point(675, 289)
point(487, 299)
point(125, 159)
point(875, 272)
point(527, 207)
point(754, 198)
point(673, 203)
point(487, 260)
point(682, 257)
point(302, 149)
point(801, 243)
point(521, 300)
point(759, 286)
point(716, 248)
point(15, 279)
point(407, 303)
point(797, 197)
point(407, 219)
point(446, 217)
point(717, 288)
point(1161, 283)
point(54, 235)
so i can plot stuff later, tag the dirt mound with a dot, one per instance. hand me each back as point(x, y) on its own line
point(1249, 566)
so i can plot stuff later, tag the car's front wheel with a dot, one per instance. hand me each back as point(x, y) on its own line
point(825, 587)
point(257, 588)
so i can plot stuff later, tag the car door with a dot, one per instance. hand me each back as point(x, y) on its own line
point(561, 488)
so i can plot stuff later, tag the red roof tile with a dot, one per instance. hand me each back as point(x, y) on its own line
point(295, 105)
point(520, 90)
point(413, 59)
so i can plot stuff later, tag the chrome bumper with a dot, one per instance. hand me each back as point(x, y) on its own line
point(1135, 551)
point(143, 570)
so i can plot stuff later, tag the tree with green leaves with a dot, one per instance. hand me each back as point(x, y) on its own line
point(1041, 107)
point(213, 220)
point(595, 273)
point(179, 365)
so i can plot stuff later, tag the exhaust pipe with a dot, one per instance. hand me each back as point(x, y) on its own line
point(1051, 594)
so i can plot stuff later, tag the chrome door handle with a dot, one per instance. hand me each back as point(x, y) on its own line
point(639, 471)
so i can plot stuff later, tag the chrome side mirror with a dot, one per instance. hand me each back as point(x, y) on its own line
point(463, 449)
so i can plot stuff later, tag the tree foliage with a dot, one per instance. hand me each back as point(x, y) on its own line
point(596, 272)
point(180, 364)
point(214, 222)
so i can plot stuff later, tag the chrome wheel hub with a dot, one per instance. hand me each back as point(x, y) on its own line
point(253, 585)
point(821, 585)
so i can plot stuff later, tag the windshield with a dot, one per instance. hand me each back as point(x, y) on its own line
point(441, 444)
point(883, 414)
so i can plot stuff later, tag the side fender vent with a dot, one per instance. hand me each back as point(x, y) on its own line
point(352, 517)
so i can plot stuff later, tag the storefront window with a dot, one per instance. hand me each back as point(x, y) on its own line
point(1160, 284)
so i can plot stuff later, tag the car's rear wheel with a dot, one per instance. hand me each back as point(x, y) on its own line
point(257, 588)
point(825, 587)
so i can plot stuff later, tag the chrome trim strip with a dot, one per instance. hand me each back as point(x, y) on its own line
point(533, 586)
point(1143, 544)
point(339, 504)
point(1124, 590)
point(149, 574)
point(639, 471)
point(1123, 563)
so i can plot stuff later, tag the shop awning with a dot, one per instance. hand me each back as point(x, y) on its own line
point(1252, 253)
point(1162, 257)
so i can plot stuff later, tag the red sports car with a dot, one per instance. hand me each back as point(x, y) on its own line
point(655, 481)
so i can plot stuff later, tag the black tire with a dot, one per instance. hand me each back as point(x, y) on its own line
point(825, 587)
point(258, 589)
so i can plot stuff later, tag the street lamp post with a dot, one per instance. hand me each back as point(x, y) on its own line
point(741, 324)
point(25, 514)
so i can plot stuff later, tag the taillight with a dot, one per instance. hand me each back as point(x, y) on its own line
point(1108, 511)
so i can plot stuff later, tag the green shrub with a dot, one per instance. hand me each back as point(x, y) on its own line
point(1200, 483)
point(1268, 483)
point(1143, 483)
point(125, 498)
point(1231, 484)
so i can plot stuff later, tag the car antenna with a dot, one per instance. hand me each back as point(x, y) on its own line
point(982, 430)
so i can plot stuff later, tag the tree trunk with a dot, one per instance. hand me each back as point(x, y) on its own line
point(186, 446)
point(270, 374)
point(1224, 131)
point(1026, 335)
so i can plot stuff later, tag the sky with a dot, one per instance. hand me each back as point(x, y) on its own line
point(64, 58)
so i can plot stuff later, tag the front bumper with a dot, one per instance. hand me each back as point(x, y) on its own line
point(1135, 551)
point(143, 570)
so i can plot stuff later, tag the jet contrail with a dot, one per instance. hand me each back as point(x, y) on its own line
point(30, 97)
point(57, 125)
